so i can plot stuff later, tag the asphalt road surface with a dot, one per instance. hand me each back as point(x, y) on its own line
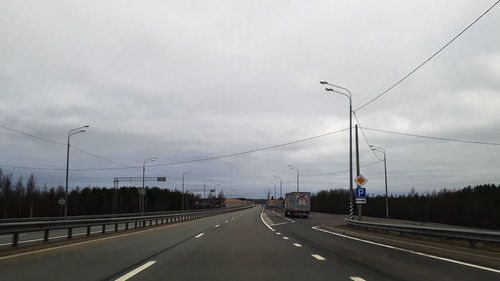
point(243, 245)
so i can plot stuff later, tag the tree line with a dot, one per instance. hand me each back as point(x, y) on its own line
point(477, 206)
point(25, 198)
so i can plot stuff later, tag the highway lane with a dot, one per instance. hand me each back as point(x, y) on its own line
point(374, 262)
point(243, 250)
point(233, 246)
point(104, 257)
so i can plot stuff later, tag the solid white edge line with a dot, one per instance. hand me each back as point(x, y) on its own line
point(410, 251)
point(272, 229)
point(280, 223)
point(318, 257)
point(199, 235)
point(284, 217)
point(135, 271)
point(356, 278)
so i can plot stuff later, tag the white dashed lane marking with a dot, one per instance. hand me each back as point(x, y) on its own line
point(318, 257)
point(217, 225)
point(355, 278)
point(199, 235)
point(297, 245)
point(284, 237)
point(135, 271)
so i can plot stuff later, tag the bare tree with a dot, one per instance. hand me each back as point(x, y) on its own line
point(30, 192)
point(19, 191)
point(6, 186)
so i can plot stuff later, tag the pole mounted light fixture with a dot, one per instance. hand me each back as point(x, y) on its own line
point(142, 200)
point(349, 96)
point(296, 169)
point(81, 129)
point(182, 195)
point(379, 149)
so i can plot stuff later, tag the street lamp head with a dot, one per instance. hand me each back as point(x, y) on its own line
point(86, 126)
point(323, 82)
point(329, 90)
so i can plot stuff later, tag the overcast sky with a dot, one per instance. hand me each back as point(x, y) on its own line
point(184, 80)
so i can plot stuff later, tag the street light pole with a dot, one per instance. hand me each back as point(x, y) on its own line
point(296, 169)
point(281, 185)
point(351, 206)
point(142, 199)
point(182, 195)
point(70, 133)
point(376, 148)
point(204, 198)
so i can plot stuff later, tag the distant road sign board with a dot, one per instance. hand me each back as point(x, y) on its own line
point(162, 179)
point(360, 192)
point(360, 180)
point(360, 201)
point(61, 201)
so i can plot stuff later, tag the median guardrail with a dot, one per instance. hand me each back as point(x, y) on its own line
point(472, 235)
point(150, 219)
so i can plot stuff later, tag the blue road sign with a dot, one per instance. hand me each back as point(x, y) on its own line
point(360, 192)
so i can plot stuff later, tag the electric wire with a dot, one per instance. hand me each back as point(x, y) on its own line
point(428, 59)
point(194, 160)
point(433, 137)
point(364, 136)
point(342, 171)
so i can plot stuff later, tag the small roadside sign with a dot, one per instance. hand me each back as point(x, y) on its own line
point(360, 180)
point(360, 201)
point(162, 179)
point(61, 201)
point(360, 192)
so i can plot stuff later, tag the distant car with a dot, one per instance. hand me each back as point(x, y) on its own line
point(297, 204)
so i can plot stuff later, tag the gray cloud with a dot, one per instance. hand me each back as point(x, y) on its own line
point(195, 79)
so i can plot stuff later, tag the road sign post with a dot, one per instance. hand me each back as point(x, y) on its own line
point(360, 192)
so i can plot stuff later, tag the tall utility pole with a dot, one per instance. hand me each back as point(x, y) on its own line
point(70, 133)
point(351, 191)
point(379, 149)
point(357, 170)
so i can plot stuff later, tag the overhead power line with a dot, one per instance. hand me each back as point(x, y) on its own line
point(31, 135)
point(428, 59)
point(364, 136)
point(433, 137)
point(249, 151)
point(340, 172)
point(190, 161)
point(64, 144)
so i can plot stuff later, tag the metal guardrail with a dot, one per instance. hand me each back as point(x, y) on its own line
point(15, 228)
point(95, 216)
point(471, 235)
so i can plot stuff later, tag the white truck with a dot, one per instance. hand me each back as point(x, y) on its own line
point(297, 204)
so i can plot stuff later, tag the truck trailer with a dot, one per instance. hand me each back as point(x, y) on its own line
point(297, 204)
